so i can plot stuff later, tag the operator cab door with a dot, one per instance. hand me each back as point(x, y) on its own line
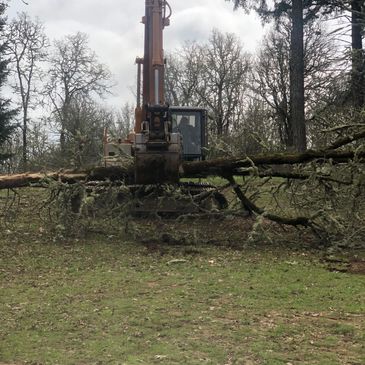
point(191, 124)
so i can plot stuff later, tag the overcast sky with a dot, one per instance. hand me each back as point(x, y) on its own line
point(116, 34)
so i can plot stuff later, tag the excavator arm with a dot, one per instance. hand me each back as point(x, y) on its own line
point(155, 20)
point(157, 149)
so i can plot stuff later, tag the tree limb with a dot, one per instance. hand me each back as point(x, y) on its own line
point(253, 208)
point(346, 140)
point(224, 166)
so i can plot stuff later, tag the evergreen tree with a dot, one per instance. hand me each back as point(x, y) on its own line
point(312, 9)
point(6, 114)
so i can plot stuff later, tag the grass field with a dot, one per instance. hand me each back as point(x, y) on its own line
point(110, 299)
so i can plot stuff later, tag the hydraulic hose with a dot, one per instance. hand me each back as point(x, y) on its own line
point(170, 10)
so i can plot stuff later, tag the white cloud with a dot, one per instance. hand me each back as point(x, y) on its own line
point(116, 34)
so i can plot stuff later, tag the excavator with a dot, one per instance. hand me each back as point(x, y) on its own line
point(163, 135)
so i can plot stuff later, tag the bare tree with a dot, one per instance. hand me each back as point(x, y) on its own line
point(223, 78)
point(271, 81)
point(84, 131)
point(120, 123)
point(271, 76)
point(84, 126)
point(182, 75)
point(27, 48)
point(75, 74)
point(256, 131)
point(212, 75)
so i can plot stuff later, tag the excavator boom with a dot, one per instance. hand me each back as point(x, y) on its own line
point(155, 21)
point(157, 148)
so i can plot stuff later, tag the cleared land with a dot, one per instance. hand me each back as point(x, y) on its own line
point(110, 299)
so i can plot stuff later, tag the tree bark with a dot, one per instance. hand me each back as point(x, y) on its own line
point(27, 179)
point(25, 143)
point(297, 115)
point(357, 76)
point(232, 166)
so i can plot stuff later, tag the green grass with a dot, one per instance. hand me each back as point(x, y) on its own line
point(106, 301)
point(113, 300)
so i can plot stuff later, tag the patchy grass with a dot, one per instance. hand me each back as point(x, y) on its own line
point(111, 299)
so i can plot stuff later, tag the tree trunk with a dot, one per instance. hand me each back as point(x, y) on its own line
point(219, 124)
point(357, 76)
point(297, 116)
point(63, 141)
point(25, 143)
point(238, 166)
point(64, 118)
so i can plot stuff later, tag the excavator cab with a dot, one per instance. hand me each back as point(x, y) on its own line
point(170, 135)
point(191, 123)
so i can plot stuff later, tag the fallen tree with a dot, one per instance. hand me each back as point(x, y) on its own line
point(29, 179)
point(322, 190)
point(217, 167)
point(111, 173)
point(224, 166)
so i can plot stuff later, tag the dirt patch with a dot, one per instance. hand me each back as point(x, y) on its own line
point(192, 231)
point(357, 267)
point(351, 263)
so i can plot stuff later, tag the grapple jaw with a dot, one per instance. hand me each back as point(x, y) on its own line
point(157, 151)
point(157, 162)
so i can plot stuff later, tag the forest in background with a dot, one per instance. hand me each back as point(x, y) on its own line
point(299, 90)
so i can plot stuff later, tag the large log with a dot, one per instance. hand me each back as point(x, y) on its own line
point(27, 179)
point(218, 167)
point(229, 166)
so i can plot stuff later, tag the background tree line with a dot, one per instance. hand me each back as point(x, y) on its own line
point(55, 117)
point(301, 81)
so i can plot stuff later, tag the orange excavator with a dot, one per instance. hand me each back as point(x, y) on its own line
point(163, 135)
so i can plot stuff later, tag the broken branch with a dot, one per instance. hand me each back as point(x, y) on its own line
point(253, 208)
